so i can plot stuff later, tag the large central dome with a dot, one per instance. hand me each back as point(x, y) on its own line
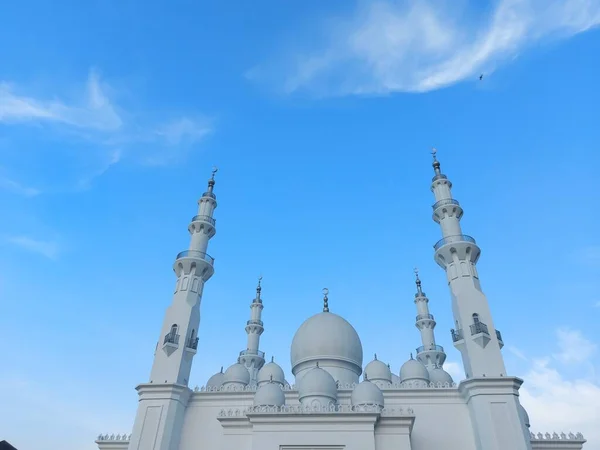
point(331, 341)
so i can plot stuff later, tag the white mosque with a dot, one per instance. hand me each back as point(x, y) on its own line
point(251, 406)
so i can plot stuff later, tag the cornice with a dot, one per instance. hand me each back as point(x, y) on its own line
point(489, 386)
point(177, 392)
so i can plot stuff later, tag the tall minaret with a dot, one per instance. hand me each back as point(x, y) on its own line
point(491, 395)
point(430, 354)
point(252, 357)
point(163, 400)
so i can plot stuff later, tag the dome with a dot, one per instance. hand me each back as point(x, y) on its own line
point(317, 383)
point(216, 380)
point(439, 375)
point(270, 372)
point(413, 370)
point(524, 415)
point(366, 393)
point(237, 373)
point(378, 371)
point(269, 394)
point(328, 337)
point(395, 379)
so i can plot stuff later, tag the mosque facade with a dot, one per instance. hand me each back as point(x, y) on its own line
point(251, 406)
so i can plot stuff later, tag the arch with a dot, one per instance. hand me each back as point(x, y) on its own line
point(174, 329)
point(475, 318)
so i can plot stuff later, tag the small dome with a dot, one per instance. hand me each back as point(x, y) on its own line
point(237, 373)
point(269, 394)
point(524, 415)
point(327, 336)
point(366, 393)
point(216, 380)
point(378, 371)
point(413, 370)
point(439, 375)
point(270, 371)
point(317, 383)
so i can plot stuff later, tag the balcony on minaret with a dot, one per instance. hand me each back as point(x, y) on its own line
point(452, 240)
point(430, 348)
point(192, 343)
point(499, 337)
point(204, 218)
point(255, 322)
point(424, 317)
point(479, 331)
point(252, 353)
point(171, 341)
point(457, 335)
point(445, 202)
point(196, 255)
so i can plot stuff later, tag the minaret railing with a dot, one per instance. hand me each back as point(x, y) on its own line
point(499, 336)
point(479, 327)
point(204, 218)
point(444, 202)
point(429, 348)
point(196, 254)
point(457, 335)
point(193, 343)
point(424, 316)
point(453, 239)
point(252, 352)
point(171, 338)
point(255, 322)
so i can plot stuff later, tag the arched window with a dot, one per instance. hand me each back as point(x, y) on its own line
point(475, 318)
point(174, 329)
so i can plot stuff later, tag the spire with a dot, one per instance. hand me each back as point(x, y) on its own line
point(325, 300)
point(258, 289)
point(418, 282)
point(375, 356)
point(436, 163)
point(272, 359)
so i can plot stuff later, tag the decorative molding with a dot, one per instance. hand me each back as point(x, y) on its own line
point(113, 438)
point(547, 437)
point(407, 385)
point(332, 409)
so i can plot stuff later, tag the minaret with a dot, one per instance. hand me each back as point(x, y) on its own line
point(475, 335)
point(492, 396)
point(252, 357)
point(430, 354)
point(163, 400)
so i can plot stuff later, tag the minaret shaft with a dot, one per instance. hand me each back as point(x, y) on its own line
point(430, 354)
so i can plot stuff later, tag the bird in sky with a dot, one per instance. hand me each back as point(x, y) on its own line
point(480, 77)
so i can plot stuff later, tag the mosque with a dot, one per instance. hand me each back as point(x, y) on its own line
point(251, 406)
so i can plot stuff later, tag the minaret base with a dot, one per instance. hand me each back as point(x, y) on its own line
point(159, 417)
point(494, 409)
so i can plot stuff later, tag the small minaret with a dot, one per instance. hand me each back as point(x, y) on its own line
point(163, 400)
point(430, 354)
point(491, 395)
point(252, 357)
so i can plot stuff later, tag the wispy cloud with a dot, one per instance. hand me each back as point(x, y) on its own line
point(518, 353)
point(95, 111)
point(108, 132)
point(418, 46)
point(49, 249)
point(18, 188)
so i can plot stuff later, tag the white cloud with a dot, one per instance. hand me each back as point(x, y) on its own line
point(96, 111)
point(573, 346)
point(455, 370)
point(518, 353)
point(49, 249)
point(556, 404)
point(418, 46)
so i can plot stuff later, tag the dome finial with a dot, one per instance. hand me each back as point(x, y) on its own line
point(325, 300)
point(317, 364)
point(418, 281)
point(411, 356)
point(272, 358)
point(366, 376)
point(375, 356)
point(221, 369)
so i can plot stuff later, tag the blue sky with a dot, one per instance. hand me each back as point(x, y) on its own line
point(320, 116)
